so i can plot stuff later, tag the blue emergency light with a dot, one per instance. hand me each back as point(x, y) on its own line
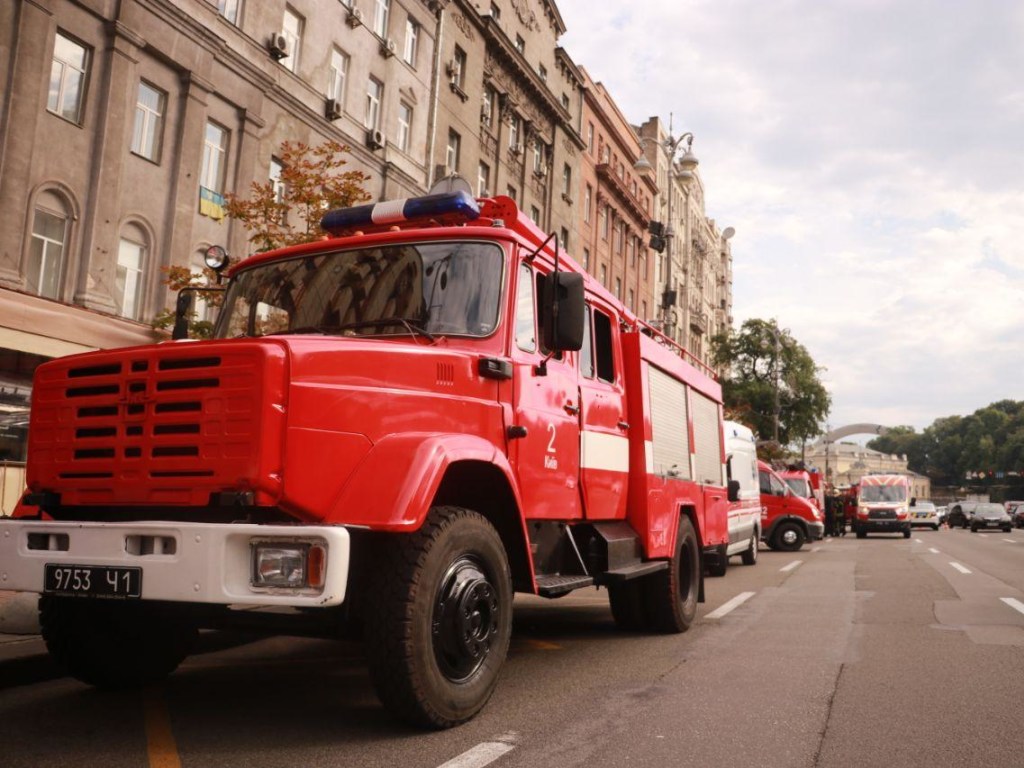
point(459, 204)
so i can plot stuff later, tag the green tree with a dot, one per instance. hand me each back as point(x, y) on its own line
point(767, 367)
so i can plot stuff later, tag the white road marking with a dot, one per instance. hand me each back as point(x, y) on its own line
point(482, 754)
point(1014, 603)
point(816, 549)
point(791, 566)
point(960, 567)
point(725, 608)
point(1012, 541)
point(934, 551)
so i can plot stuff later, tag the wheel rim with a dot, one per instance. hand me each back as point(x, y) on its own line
point(465, 620)
point(789, 536)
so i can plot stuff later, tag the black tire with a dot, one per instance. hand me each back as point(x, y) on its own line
point(439, 618)
point(719, 564)
point(628, 607)
point(906, 533)
point(789, 537)
point(861, 533)
point(974, 528)
point(749, 555)
point(671, 595)
point(116, 645)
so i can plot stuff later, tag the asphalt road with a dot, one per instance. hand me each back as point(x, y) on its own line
point(876, 652)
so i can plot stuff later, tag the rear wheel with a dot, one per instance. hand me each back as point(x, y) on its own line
point(861, 533)
point(439, 618)
point(906, 533)
point(671, 595)
point(113, 644)
point(749, 555)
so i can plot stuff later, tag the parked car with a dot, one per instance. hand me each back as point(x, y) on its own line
point(1018, 515)
point(923, 514)
point(960, 513)
point(990, 516)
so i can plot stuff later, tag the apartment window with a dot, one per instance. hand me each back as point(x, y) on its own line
point(643, 310)
point(404, 126)
point(453, 151)
point(459, 68)
point(483, 180)
point(339, 74)
point(495, 12)
point(617, 230)
point(230, 10)
point(276, 182)
point(514, 128)
point(606, 154)
point(68, 74)
point(487, 110)
point(129, 282)
point(291, 28)
point(632, 299)
point(605, 221)
point(511, 192)
point(374, 96)
point(538, 157)
point(535, 214)
point(588, 199)
point(586, 259)
point(564, 235)
point(412, 41)
point(520, 44)
point(381, 9)
point(215, 151)
point(567, 181)
point(565, 101)
point(590, 137)
point(149, 122)
point(604, 275)
point(543, 72)
point(45, 268)
point(618, 287)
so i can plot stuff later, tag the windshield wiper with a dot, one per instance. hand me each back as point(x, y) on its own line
point(321, 329)
point(413, 329)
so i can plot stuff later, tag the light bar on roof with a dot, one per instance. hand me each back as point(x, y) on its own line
point(447, 205)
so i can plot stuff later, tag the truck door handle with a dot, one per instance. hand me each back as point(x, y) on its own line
point(571, 409)
point(623, 425)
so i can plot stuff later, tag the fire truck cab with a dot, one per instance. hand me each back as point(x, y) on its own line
point(393, 429)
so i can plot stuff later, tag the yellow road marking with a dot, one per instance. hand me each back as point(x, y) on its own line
point(160, 746)
point(539, 645)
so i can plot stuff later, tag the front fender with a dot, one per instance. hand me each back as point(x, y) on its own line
point(394, 485)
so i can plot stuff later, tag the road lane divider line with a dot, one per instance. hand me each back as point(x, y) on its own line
point(1014, 603)
point(1012, 541)
point(160, 745)
point(483, 754)
point(791, 566)
point(935, 551)
point(960, 568)
point(730, 606)
point(918, 541)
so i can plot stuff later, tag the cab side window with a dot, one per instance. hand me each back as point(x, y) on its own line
point(603, 347)
point(526, 325)
point(587, 350)
point(766, 482)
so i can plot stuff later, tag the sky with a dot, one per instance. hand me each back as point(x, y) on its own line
point(870, 155)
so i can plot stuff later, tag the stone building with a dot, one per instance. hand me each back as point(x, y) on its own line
point(843, 464)
point(693, 276)
point(616, 202)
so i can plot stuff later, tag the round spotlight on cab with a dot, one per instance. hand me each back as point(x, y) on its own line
point(216, 258)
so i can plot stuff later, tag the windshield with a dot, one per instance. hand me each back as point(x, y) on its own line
point(989, 509)
point(876, 493)
point(449, 288)
point(799, 486)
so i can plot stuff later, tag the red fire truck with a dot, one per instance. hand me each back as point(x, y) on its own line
point(393, 430)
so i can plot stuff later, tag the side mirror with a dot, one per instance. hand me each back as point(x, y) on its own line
point(182, 309)
point(562, 311)
point(734, 490)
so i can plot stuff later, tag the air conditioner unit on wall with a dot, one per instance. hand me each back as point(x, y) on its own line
point(451, 68)
point(354, 18)
point(278, 45)
point(332, 109)
point(375, 138)
point(388, 48)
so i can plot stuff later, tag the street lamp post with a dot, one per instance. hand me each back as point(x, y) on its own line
point(681, 170)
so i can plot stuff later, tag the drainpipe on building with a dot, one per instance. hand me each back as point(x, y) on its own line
point(435, 93)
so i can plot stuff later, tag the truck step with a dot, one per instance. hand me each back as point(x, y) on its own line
point(554, 586)
point(632, 571)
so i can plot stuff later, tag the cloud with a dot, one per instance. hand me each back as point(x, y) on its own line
point(868, 153)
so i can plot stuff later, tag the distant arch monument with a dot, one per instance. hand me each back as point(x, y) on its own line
point(854, 429)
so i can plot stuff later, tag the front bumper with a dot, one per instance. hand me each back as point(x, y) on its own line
point(180, 562)
point(815, 531)
point(883, 525)
point(976, 523)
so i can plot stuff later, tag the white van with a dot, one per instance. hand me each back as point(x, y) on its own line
point(744, 492)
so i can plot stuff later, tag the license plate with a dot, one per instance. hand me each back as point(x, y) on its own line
point(93, 581)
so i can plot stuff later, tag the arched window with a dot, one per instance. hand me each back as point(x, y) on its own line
point(44, 268)
point(132, 256)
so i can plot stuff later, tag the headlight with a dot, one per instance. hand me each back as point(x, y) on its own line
point(288, 565)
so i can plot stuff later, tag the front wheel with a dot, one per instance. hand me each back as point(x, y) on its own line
point(115, 644)
point(439, 618)
point(789, 537)
point(671, 595)
point(906, 533)
point(974, 529)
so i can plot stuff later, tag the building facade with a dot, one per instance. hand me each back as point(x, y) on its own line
point(843, 465)
point(616, 202)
